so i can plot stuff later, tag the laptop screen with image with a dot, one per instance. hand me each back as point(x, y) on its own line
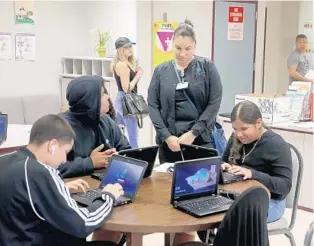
point(3, 125)
point(128, 175)
point(197, 178)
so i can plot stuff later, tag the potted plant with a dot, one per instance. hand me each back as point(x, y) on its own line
point(102, 37)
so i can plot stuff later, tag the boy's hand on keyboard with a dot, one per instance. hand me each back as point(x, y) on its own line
point(247, 173)
point(78, 185)
point(225, 166)
point(115, 189)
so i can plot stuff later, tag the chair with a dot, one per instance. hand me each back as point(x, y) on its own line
point(281, 226)
point(309, 240)
point(245, 223)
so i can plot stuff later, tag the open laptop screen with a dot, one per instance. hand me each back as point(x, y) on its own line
point(192, 152)
point(126, 173)
point(3, 126)
point(196, 177)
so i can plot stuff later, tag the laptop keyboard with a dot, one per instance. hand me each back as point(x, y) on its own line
point(231, 178)
point(207, 203)
point(91, 194)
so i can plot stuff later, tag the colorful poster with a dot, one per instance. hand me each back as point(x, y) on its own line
point(25, 47)
point(24, 12)
point(162, 41)
point(308, 31)
point(235, 23)
point(6, 48)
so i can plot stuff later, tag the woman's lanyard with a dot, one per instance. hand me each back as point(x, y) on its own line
point(182, 85)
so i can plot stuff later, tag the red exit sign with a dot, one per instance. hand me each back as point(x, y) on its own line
point(236, 14)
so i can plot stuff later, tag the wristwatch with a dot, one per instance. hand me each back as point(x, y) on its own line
point(195, 133)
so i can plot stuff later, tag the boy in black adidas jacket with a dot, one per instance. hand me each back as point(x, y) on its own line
point(36, 207)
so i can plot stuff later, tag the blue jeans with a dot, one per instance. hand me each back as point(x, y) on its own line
point(276, 210)
point(129, 123)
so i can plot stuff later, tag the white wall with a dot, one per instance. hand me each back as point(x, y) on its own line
point(59, 30)
point(62, 28)
point(306, 14)
point(144, 41)
point(118, 17)
point(199, 12)
point(282, 27)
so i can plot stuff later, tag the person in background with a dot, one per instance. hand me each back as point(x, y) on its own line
point(299, 61)
point(127, 75)
point(258, 153)
point(98, 137)
point(184, 97)
point(36, 207)
point(110, 109)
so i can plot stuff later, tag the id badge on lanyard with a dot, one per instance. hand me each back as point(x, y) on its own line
point(182, 85)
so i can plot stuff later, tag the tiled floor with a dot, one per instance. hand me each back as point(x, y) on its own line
point(300, 228)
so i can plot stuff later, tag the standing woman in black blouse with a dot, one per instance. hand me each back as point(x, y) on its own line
point(127, 76)
point(184, 97)
point(259, 154)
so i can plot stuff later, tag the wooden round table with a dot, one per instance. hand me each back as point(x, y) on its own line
point(152, 212)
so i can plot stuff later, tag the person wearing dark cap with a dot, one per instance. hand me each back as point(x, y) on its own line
point(98, 137)
point(127, 76)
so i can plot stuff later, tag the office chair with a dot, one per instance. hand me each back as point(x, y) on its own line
point(245, 223)
point(309, 239)
point(281, 226)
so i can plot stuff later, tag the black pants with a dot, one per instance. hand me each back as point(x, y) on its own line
point(166, 155)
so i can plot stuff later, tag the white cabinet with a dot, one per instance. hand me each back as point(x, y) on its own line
point(307, 184)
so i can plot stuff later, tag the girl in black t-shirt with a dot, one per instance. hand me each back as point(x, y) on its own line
point(259, 154)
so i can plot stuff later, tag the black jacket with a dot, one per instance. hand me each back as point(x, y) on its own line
point(204, 86)
point(91, 129)
point(36, 207)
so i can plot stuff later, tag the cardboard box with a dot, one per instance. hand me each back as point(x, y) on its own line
point(274, 108)
point(300, 97)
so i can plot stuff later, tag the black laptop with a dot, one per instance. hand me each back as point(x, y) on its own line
point(3, 127)
point(192, 152)
point(195, 187)
point(229, 178)
point(126, 171)
point(147, 154)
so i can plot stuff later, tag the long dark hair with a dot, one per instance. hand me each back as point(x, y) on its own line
point(112, 113)
point(248, 113)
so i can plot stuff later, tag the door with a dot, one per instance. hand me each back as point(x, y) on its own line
point(235, 57)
